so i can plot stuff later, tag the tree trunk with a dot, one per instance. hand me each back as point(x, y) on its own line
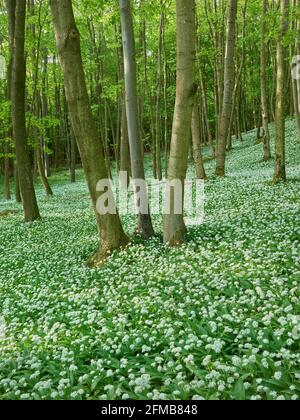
point(72, 155)
point(44, 109)
point(124, 152)
point(17, 184)
point(31, 211)
point(296, 80)
point(228, 89)
point(296, 105)
point(205, 112)
point(142, 54)
point(165, 93)
point(7, 194)
point(197, 152)
point(67, 36)
point(158, 99)
point(11, 28)
point(263, 84)
point(298, 53)
point(39, 151)
point(137, 165)
point(280, 168)
point(174, 226)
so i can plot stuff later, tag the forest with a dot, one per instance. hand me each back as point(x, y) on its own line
point(150, 200)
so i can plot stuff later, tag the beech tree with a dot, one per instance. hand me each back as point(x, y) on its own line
point(18, 9)
point(158, 121)
point(237, 87)
point(38, 100)
point(67, 37)
point(280, 164)
point(174, 226)
point(197, 152)
point(263, 87)
point(228, 89)
point(295, 72)
point(11, 31)
point(145, 227)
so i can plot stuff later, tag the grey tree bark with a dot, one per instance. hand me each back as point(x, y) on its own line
point(11, 30)
point(145, 227)
point(30, 207)
point(263, 83)
point(37, 101)
point(124, 149)
point(296, 82)
point(72, 155)
point(280, 164)
point(174, 226)
point(228, 89)
point(197, 152)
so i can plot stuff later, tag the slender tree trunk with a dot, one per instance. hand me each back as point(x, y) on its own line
point(263, 83)
point(137, 165)
point(17, 184)
point(38, 145)
point(41, 167)
point(124, 152)
point(273, 87)
point(296, 105)
point(174, 226)
point(205, 112)
point(7, 194)
point(118, 129)
point(44, 109)
point(37, 101)
point(67, 36)
point(280, 165)
point(31, 211)
point(146, 89)
point(296, 81)
point(119, 77)
point(298, 53)
point(239, 130)
point(113, 134)
point(238, 78)
point(142, 53)
point(11, 7)
point(228, 89)
point(216, 25)
point(165, 93)
point(197, 152)
point(58, 131)
point(158, 98)
point(72, 155)
point(106, 141)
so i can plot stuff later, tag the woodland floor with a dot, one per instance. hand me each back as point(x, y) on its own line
point(215, 319)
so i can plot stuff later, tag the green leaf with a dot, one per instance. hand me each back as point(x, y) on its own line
point(239, 391)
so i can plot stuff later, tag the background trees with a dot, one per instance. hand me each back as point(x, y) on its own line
point(236, 84)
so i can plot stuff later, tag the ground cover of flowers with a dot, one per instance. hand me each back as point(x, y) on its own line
point(216, 319)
